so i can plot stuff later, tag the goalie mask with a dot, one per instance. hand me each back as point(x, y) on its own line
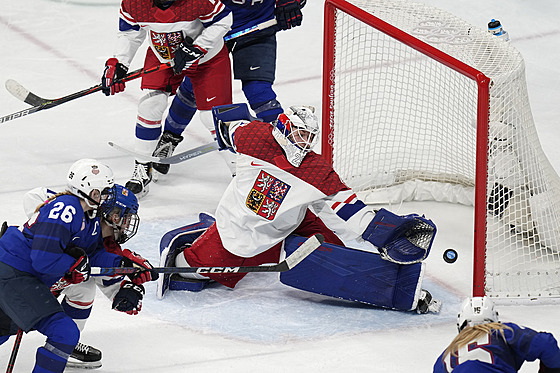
point(120, 211)
point(296, 131)
point(475, 311)
point(86, 176)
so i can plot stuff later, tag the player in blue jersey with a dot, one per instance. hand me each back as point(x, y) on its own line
point(254, 63)
point(119, 222)
point(484, 344)
point(53, 249)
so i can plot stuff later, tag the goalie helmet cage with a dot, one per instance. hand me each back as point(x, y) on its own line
point(420, 105)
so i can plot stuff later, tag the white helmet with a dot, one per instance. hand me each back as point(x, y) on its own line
point(296, 132)
point(87, 175)
point(476, 310)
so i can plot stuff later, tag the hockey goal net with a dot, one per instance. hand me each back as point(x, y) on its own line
point(420, 105)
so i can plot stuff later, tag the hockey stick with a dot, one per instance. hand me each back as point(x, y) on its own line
point(260, 26)
point(15, 350)
point(177, 158)
point(290, 262)
point(40, 103)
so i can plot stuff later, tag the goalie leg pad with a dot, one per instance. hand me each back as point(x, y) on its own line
point(172, 243)
point(356, 275)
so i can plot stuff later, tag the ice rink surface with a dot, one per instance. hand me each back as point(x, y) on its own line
point(57, 47)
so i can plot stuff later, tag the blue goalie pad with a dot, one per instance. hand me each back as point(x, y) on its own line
point(228, 113)
point(356, 275)
point(172, 243)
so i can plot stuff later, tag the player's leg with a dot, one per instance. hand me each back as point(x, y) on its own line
point(148, 122)
point(212, 86)
point(208, 251)
point(181, 112)
point(31, 305)
point(77, 303)
point(254, 63)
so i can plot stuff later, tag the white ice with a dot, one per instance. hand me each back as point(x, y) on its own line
point(58, 47)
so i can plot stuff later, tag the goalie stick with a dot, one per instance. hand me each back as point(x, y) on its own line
point(40, 103)
point(290, 262)
point(177, 158)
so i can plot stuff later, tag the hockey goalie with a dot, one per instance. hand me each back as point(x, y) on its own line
point(285, 192)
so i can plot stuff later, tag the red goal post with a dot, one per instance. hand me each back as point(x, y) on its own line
point(399, 75)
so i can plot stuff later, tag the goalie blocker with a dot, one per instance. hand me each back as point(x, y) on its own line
point(332, 270)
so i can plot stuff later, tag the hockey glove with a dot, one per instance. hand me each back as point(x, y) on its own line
point(81, 269)
point(403, 239)
point(288, 13)
point(187, 56)
point(146, 273)
point(111, 82)
point(129, 298)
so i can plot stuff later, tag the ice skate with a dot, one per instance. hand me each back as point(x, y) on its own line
point(141, 177)
point(426, 303)
point(85, 357)
point(164, 149)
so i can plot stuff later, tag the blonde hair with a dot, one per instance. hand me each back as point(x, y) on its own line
point(473, 333)
point(51, 198)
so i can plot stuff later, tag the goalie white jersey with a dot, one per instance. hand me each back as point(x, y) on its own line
point(269, 197)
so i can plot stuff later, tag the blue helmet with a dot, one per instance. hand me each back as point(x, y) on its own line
point(120, 210)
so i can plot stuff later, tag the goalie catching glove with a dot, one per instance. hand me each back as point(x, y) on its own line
point(111, 82)
point(129, 298)
point(146, 273)
point(187, 56)
point(401, 239)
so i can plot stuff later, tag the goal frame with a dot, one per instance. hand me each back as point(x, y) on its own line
point(482, 116)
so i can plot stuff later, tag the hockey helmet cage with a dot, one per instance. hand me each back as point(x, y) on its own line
point(476, 310)
point(296, 131)
point(87, 175)
point(120, 211)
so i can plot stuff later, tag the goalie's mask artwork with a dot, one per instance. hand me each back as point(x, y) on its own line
point(120, 211)
point(296, 131)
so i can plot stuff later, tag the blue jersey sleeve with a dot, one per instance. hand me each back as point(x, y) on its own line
point(247, 13)
point(530, 345)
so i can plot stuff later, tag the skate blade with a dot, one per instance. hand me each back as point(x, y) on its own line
point(83, 364)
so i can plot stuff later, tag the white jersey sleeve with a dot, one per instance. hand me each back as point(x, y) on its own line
point(34, 198)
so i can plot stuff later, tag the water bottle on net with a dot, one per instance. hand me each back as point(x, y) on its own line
point(496, 29)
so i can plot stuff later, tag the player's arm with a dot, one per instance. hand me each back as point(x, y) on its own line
point(129, 38)
point(216, 24)
point(531, 345)
point(402, 239)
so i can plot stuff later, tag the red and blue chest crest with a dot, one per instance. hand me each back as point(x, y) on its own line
point(267, 195)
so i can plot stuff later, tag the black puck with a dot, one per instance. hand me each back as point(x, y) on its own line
point(450, 255)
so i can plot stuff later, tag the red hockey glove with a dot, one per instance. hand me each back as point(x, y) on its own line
point(81, 270)
point(131, 259)
point(288, 13)
point(111, 79)
point(187, 56)
point(129, 298)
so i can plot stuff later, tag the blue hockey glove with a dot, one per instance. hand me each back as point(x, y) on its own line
point(401, 239)
point(187, 56)
point(288, 13)
point(129, 298)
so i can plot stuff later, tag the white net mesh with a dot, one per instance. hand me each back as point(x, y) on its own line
point(404, 127)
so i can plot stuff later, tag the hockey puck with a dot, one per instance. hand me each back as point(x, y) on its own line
point(450, 255)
